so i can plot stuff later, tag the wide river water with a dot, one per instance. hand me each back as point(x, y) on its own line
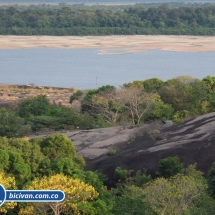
point(79, 68)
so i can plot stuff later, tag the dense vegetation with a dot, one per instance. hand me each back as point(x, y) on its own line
point(132, 104)
point(196, 20)
point(49, 162)
point(97, 6)
point(52, 163)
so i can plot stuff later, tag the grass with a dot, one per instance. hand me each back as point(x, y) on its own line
point(112, 151)
point(154, 131)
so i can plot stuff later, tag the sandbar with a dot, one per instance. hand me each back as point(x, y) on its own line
point(113, 44)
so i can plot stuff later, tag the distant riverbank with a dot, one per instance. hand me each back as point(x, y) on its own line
point(105, 44)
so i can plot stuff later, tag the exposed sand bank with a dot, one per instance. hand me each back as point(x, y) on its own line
point(106, 44)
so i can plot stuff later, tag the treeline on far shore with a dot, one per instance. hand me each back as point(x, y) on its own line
point(134, 20)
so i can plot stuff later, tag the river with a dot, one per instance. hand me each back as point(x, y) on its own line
point(81, 68)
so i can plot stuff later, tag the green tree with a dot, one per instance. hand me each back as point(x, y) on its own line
point(138, 102)
point(169, 167)
point(122, 174)
point(210, 83)
point(103, 204)
point(203, 204)
point(130, 200)
point(63, 166)
point(36, 106)
point(152, 84)
point(76, 95)
point(52, 155)
point(159, 110)
point(60, 156)
point(30, 152)
point(141, 178)
point(18, 168)
point(107, 103)
point(104, 104)
point(180, 116)
point(211, 180)
point(87, 121)
point(175, 195)
point(4, 160)
point(135, 84)
point(96, 207)
point(184, 93)
point(67, 112)
point(10, 124)
point(58, 146)
point(12, 162)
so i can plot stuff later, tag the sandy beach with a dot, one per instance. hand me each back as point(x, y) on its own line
point(108, 44)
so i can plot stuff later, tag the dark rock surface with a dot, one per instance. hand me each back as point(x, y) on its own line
point(143, 146)
point(193, 142)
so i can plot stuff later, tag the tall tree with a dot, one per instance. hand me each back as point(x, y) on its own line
point(175, 195)
point(137, 101)
point(74, 189)
point(10, 124)
point(210, 83)
point(184, 93)
point(108, 104)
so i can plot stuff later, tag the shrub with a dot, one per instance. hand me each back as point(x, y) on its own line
point(141, 178)
point(86, 121)
point(36, 106)
point(120, 173)
point(180, 116)
point(76, 95)
point(51, 122)
point(10, 124)
point(169, 166)
point(113, 151)
point(154, 131)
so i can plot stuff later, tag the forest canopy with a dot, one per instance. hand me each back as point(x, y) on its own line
point(163, 20)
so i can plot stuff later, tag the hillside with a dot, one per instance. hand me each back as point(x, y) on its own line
point(142, 147)
point(193, 142)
